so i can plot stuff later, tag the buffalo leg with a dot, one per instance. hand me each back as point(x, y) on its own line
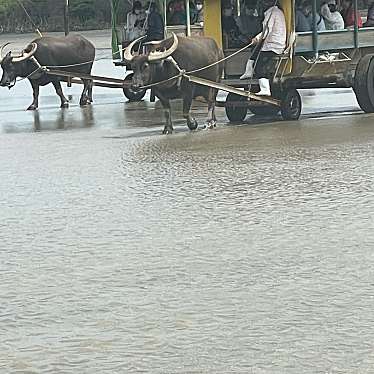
point(90, 91)
point(191, 121)
point(58, 88)
point(211, 120)
point(35, 91)
point(214, 98)
point(168, 129)
point(85, 99)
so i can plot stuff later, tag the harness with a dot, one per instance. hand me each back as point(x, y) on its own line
point(181, 71)
point(38, 73)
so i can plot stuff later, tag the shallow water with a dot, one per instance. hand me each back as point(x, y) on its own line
point(246, 249)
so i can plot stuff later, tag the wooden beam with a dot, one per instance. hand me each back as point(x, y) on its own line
point(71, 74)
point(237, 91)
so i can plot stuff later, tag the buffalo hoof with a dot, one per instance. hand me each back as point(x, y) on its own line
point(210, 125)
point(167, 131)
point(86, 100)
point(32, 107)
point(64, 105)
point(193, 125)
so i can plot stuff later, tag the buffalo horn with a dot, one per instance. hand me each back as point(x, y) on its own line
point(161, 55)
point(26, 55)
point(1, 51)
point(127, 53)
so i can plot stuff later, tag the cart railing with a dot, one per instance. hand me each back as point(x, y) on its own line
point(335, 40)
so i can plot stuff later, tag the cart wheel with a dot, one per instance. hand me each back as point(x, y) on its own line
point(131, 94)
point(291, 105)
point(265, 110)
point(235, 113)
point(364, 83)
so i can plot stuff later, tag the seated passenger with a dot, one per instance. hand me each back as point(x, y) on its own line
point(249, 22)
point(135, 22)
point(170, 12)
point(271, 42)
point(333, 19)
point(178, 17)
point(302, 22)
point(155, 24)
point(321, 25)
point(230, 28)
point(370, 17)
point(197, 14)
point(307, 10)
point(348, 14)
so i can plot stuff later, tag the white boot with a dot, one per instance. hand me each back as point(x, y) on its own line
point(264, 87)
point(248, 70)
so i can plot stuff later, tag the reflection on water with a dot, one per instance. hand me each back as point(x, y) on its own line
point(88, 116)
point(243, 249)
point(247, 249)
point(63, 119)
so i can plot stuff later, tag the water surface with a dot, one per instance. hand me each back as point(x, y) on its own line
point(246, 249)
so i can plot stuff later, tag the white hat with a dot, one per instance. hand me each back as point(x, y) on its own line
point(333, 2)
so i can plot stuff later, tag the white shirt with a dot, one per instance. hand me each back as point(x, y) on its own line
point(274, 34)
point(333, 21)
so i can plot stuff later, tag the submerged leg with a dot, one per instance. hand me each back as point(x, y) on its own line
point(35, 91)
point(90, 100)
point(211, 119)
point(84, 98)
point(191, 121)
point(168, 129)
point(58, 88)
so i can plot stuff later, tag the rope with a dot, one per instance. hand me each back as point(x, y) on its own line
point(32, 73)
point(72, 65)
point(182, 73)
point(145, 24)
point(29, 17)
point(262, 37)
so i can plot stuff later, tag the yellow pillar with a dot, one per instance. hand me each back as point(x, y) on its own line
point(212, 20)
point(288, 10)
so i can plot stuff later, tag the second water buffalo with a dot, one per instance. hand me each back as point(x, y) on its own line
point(167, 59)
point(71, 53)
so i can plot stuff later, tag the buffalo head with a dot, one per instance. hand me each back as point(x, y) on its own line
point(11, 64)
point(144, 65)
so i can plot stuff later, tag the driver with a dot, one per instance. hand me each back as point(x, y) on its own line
point(270, 43)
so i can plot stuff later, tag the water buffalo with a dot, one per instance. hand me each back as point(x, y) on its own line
point(165, 59)
point(74, 52)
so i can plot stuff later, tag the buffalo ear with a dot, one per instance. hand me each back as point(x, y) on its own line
point(8, 54)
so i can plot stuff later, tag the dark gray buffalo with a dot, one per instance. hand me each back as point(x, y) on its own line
point(73, 52)
point(165, 60)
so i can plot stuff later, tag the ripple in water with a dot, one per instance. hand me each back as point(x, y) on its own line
point(240, 250)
